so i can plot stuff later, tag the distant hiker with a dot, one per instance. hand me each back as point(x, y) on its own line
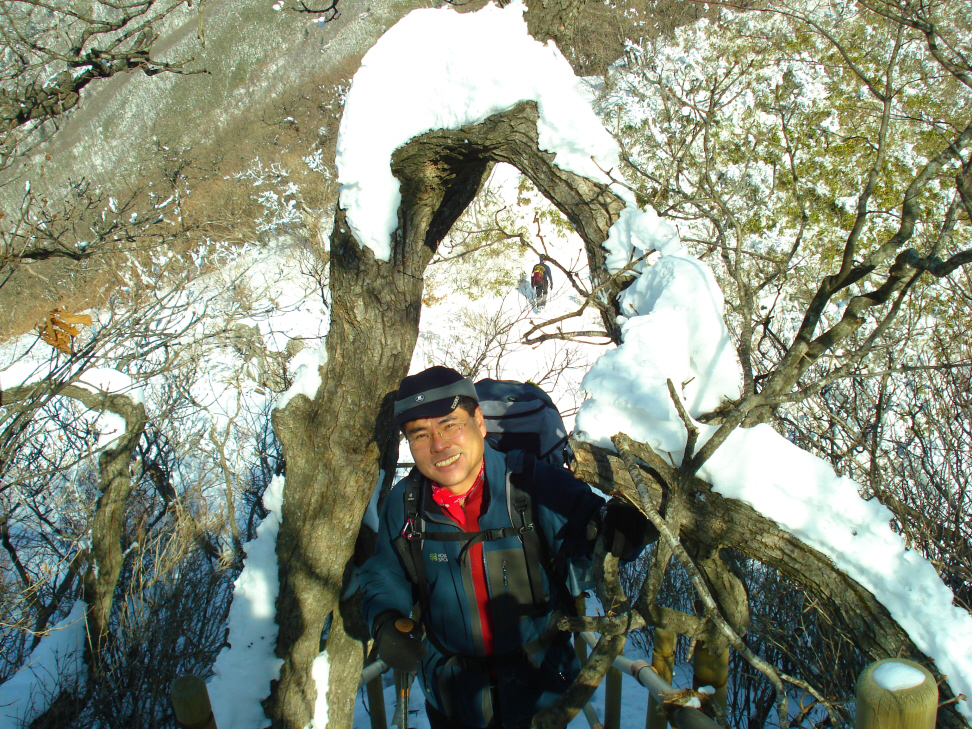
point(486, 648)
point(541, 280)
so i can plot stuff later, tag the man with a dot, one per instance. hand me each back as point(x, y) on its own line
point(487, 653)
point(542, 280)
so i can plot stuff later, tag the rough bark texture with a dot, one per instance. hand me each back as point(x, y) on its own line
point(553, 20)
point(115, 483)
point(712, 522)
point(333, 444)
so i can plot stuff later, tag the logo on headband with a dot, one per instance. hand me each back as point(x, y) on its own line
point(455, 402)
point(420, 398)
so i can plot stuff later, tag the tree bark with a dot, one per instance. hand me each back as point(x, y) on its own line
point(115, 483)
point(553, 20)
point(333, 444)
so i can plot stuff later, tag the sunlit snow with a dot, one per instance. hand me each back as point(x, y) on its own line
point(306, 366)
point(895, 676)
point(56, 663)
point(248, 661)
point(438, 69)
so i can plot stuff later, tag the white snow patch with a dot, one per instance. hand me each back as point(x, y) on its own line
point(248, 662)
point(438, 69)
point(320, 671)
point(55, 664)
point(895, 676)
point(306, 365)
point(637, 232)
point(23, 373)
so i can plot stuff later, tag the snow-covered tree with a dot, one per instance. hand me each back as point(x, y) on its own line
point(872, 274)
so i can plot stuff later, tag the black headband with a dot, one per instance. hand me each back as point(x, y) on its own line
point(434, 402)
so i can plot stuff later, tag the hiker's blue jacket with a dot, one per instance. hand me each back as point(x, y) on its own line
point(562, 507)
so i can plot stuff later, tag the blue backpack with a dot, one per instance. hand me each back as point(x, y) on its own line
point(521, 416)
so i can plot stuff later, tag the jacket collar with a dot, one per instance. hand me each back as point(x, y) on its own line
point(496, 511)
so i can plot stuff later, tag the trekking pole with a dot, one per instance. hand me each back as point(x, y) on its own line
point(404, 625)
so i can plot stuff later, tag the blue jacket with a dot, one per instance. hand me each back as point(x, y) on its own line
point(563, 506)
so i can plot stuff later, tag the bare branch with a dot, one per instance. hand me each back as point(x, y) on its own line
point(690, 429)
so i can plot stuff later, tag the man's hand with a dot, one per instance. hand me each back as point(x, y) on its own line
point(398, 641)
point(626, 530)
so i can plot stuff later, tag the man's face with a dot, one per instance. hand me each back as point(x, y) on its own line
point(449, 449)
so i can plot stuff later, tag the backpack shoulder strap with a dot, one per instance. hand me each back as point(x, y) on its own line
point(408, 544)
point(522, 513)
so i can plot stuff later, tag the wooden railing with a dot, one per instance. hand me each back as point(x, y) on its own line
point(893, 693)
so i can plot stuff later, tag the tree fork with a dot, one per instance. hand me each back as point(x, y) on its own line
point(332, 445)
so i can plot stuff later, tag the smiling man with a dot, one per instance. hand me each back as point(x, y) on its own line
point(478, 541)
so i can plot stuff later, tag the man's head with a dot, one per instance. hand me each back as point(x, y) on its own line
point(438, 411)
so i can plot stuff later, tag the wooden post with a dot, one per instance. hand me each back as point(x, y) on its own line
point(376, 703)
point(396, 714)
point(663, 663)
point(712, 670)
point(895, 693)
point(612, 699)
point(190, 699)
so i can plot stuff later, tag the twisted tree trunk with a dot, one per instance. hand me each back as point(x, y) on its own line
point(102, 561)
point(334, 443)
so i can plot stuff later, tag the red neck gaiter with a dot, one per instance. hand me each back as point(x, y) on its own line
point(465, 509)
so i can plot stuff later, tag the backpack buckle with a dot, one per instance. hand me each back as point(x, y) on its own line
point(409, 531)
